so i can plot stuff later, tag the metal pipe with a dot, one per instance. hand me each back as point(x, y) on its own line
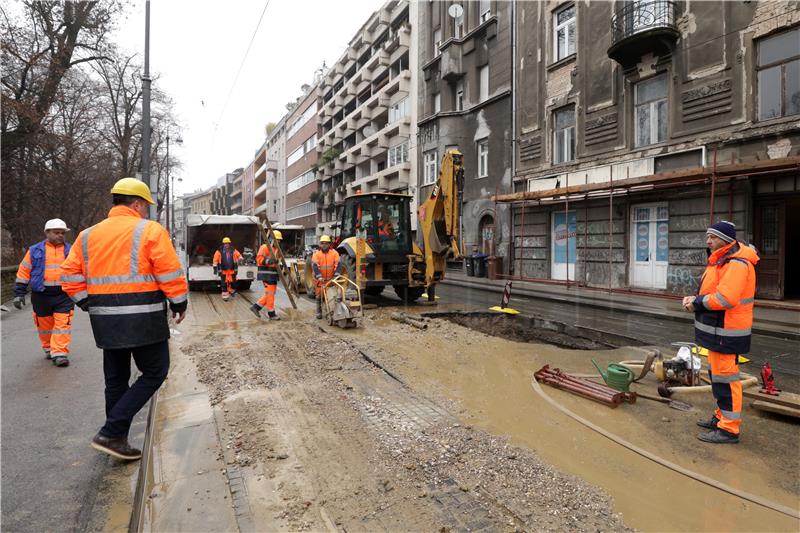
point(713, 187)
point(566, 223)
point(146, 81)
point(610, 220)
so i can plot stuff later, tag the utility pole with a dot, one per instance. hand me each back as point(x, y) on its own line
point(169, 192)
point(146, 176)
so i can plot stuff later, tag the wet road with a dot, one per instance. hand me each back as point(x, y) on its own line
point(784, 355)
point(51, 478)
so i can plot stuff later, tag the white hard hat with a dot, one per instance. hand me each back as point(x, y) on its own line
point(56, 223)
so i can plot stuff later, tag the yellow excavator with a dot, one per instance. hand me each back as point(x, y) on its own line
point(375, 242)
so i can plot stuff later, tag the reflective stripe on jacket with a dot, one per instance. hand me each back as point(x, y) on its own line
point(724, 304)
point(226, 259)
point(325, 264)
point(41, 267)
point(125, 269)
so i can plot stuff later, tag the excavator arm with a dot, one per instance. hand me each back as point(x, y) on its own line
point(440, 218)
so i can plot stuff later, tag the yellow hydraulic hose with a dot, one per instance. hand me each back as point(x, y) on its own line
point(769, 504)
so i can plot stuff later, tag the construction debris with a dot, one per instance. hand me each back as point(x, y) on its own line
point(405, 319)
point(583, 387)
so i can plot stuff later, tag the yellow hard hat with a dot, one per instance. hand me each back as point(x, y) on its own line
point(278, 235)
point(226, 240)
point(325, 238)
point(133, 187)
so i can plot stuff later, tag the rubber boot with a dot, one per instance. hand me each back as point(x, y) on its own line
point(273, 315)
point(319, 308)
point(256, 309)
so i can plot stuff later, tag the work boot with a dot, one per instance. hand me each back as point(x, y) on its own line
point(60, 360)
point(118, 448)
point(256, 310)
point(319, 309)
point(46, 353)
point(709, 424)
point(273, 315)
point(719, 436)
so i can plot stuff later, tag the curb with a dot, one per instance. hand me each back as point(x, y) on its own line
point(545, 296)
point(145, 465)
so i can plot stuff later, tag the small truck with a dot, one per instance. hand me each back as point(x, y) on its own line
point(204, 234)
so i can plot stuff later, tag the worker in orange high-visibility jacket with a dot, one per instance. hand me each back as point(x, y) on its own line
point(723, 309)
point(226, 262)
point(52, 308)
point(268, 273)
point(124, 271)
point(325, 265)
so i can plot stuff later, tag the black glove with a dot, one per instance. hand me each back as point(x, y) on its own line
point(216, 270)
point(83, 305)
point(19, 302)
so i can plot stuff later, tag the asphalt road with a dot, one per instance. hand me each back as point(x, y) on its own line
point(50, 475)
point(783, 354)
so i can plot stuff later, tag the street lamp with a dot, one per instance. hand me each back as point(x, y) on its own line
point(170, 216)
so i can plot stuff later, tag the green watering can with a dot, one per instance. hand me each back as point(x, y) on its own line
point(617, 376)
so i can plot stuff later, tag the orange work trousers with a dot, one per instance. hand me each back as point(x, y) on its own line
point(727, 389)
point(52, 315)
point(268, 300)
point(227, 281)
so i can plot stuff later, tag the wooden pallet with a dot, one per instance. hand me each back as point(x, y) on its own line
point(787, 403)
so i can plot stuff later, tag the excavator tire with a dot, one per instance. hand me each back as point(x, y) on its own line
point(374, 290)
point(408, 294)
point(349, 266)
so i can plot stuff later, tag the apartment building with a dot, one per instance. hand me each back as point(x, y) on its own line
point(222, 194)
point(259, 169)
point(236, 192)
point(276, 172)
point(200, 202)
point(368, 114)
point(638, 124)
point(465, 103)
point(248, 188)
point(301, 141)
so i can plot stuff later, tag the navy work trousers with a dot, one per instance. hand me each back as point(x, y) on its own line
point(123, 401)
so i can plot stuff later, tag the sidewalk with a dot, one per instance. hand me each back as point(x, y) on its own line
point(766, 320)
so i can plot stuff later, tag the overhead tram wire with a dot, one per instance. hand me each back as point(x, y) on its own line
point(238, 72)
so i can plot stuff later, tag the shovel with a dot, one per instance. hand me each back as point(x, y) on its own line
point(674, 404)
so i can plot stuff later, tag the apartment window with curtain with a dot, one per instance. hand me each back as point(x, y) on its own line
point(779, 75)
point(437, 41)
point(483, 76)
point(430, 164)
point(564, 134)
point(564, 32)
point(398, 110)
point(398, 154)
point(483, 158)
point(437, 102)
point(485, 10)
point(459, 95)
point(650, 112)
point(458, 25)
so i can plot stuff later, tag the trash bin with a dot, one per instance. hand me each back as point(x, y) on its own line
point(480, 265)
point(469, 265)
point(494, 266)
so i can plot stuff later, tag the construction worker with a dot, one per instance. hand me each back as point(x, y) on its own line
point(226, 261)
point(52, 308)
point(723, 311)
point(385, 226)
point(125, 273)
point(268, 273)
point(325, 264)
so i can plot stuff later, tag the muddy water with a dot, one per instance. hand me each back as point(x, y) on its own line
point(490, 379)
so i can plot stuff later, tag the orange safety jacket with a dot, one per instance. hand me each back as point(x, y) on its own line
point(724, 303)
point(122, 271)
point(267, 266)
point(326, 264)
point(41, 268)
point(226, 260)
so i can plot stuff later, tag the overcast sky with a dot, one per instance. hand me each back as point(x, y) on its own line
point(197, 46)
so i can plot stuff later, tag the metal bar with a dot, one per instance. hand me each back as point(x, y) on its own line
point(610, 220)
point(713, 187)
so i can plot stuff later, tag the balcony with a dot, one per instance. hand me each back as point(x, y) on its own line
point(451, 65)
point(258, 192)
point(643, 27)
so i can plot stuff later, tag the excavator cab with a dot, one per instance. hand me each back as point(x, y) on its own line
point(383, 220)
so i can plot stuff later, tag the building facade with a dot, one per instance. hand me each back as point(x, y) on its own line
point(638, 124)
point(222, 194)
point(200, 202)
point(465, 103)
point(259, 169)
point(237, 192)
point(276, 172)
point(248, 189)
point(301, 156)
point(368, 114)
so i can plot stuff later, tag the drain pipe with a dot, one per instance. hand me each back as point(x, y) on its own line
point(513, 126)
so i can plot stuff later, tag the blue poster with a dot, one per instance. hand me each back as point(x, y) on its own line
point(662, 246)
point(565, 249)
point(642, 241)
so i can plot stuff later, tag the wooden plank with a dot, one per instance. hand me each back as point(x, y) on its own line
point(787, 399)
point(775, 408)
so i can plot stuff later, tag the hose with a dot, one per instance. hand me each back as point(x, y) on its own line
point(769, 504)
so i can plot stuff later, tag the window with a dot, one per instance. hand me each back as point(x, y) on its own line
point(485, 9)
point(564, 135)
point(301, 120)
point(437, 102)
point(398, 110)
point(302, 210)
point(483, 158)
point(398, 154)
point(564, 32)
point(483, 75)
point(431, 171)
point(458, 96)
point(779, 75)
point(651, 111)
point(458, 25)
point(437, 41)
point(307, 146)
point(300, 181)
